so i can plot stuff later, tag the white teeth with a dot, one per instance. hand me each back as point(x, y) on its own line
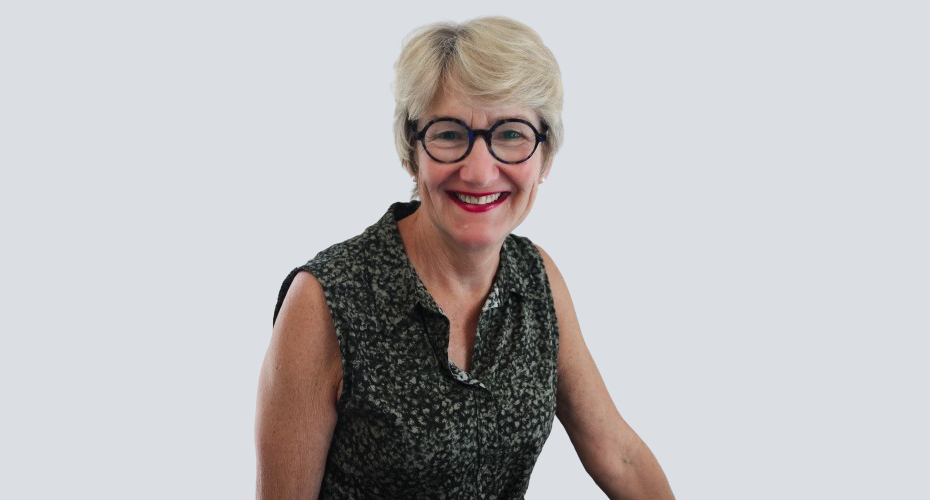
point(483, 200)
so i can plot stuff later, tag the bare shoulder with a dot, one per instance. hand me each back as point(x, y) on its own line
point(304, 302)
point(564, 308)
point(551, 268)
point(304, 295)
point(573, 354)
point(304, 338)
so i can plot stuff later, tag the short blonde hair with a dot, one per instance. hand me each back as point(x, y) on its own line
point(494, 61)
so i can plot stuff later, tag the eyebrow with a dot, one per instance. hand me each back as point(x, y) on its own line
point(494, 119)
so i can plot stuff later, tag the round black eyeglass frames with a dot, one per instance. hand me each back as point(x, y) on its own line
point(449, 140)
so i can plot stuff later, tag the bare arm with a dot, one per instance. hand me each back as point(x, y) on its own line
point(297, 392)
point(616, 458)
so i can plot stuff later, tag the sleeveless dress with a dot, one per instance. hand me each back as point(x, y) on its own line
point(411, 424)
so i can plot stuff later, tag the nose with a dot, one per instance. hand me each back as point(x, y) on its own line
point(479, 167)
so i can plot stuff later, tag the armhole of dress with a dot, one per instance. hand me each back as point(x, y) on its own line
point(550, 301)
point(346, 381)
point(550, 306)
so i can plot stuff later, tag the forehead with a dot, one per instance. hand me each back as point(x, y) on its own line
point(450, 103)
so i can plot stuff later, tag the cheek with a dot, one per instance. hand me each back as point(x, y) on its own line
point(421, 159)
point(531, 176)
point(430, 179)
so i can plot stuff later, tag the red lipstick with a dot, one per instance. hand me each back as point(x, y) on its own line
point(475, 208)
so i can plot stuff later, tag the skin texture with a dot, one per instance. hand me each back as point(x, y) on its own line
point(454, 229)
point(613, 454)
point(455, 253)
point(298, 389)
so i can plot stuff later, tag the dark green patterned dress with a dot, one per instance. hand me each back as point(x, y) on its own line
point(411, 424)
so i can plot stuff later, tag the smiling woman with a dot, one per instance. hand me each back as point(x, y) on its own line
point(428, 356)
point(474, 200)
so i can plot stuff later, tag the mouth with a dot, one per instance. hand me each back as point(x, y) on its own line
point(478, 202)
point(479, 199)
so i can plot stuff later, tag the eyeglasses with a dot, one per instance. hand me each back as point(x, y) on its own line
point(448, 140)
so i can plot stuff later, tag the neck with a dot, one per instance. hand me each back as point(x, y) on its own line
point(443, 266)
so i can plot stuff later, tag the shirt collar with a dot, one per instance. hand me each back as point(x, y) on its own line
point(397, 285)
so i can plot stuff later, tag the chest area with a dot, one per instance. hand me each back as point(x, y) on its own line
point(421, 418)
point(463, 331)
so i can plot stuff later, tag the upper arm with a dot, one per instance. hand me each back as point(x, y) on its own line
point(297, 393)
point(615, 457)
point(583, 406)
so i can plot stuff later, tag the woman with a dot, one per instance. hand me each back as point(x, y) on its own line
point(427, 357)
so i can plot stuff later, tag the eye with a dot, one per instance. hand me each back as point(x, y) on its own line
point(447, 132)
point(447, 135)
point(512, 132)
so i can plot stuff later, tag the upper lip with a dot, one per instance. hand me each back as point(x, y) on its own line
point(479, 195)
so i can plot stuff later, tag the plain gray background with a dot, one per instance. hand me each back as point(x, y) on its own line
point(740, 210)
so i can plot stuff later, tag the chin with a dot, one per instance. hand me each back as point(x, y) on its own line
point(478, 240)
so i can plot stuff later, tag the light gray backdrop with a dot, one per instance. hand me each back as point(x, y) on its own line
point(740, 211)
